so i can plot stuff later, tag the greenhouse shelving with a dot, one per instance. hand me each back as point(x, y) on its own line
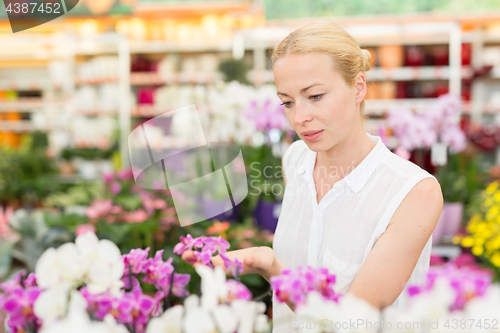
point(255, 43)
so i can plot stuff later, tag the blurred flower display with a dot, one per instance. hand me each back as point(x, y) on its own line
point(482, 232)
point(121, 207)
point(450, 294)
point(439, 123)
point(88, 286)
point(485, 136)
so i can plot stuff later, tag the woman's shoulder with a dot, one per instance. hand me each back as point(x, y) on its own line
point(405, 167)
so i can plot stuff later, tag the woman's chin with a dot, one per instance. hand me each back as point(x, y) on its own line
point(317, 147)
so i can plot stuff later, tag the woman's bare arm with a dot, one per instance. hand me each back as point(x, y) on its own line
point(390, 263)
point(256, 260)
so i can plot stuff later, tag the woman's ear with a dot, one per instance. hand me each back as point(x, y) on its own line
point(361, 88)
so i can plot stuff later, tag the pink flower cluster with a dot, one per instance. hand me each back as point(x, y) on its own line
point(105, 209)
point(156, 272)
point(133, 308)
point(439, 122)
point(5, 216)
point(293, 285)
point(205, 247)
point(467, 281)
point(121, 184)
point(16, 299)
point(268, 115)
point(237, 290)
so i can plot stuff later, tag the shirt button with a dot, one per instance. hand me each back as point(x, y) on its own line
point(338, 186)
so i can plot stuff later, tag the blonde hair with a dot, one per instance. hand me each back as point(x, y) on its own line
point(327, 37)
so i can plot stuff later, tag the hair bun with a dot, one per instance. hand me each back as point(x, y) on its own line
point(367, 60)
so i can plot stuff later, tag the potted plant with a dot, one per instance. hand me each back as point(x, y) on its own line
point(266, 186)
point(89, 161)
point(460, 178)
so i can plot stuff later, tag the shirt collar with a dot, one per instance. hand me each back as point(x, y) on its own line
point(357, 178)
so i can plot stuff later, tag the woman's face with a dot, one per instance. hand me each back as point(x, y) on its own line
point(318, 103)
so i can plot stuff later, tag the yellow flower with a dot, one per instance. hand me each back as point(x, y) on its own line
point(467, 241)
point(494, 244)
point(456, 239)
point(493, 212)
point(476, 218)
point(495, 259)
point(492, 187)
point(477, 250)
point(496, 196)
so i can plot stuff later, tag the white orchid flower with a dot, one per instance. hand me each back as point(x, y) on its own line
point(102, 261)
point(317, 310)
point(198, 321)
point(96, 263)
point(78, 321)
point(434, 304)
point(320, 315)
point(355, 309)
point(169, 322)
point(58, 267)
point(112, 326)
point(213, 286)
point(226, 320)
point(485, 307)
point(51, 304)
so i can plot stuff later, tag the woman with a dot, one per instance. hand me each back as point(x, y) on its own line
point(350, 204)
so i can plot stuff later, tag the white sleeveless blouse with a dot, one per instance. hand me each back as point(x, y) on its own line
point(340, 231)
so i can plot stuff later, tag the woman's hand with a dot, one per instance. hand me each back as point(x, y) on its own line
point(260, 260)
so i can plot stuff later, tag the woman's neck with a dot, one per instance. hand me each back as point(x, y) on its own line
point(341, 159)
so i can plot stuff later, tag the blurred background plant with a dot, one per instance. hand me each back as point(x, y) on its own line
point(27, 174)
point(482, 233)
point(461, 178)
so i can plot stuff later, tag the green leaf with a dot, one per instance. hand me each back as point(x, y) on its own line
point(6, 256)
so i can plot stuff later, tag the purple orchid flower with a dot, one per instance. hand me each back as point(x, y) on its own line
point(294, 285)
point(187, 243)
point(137, 260)
point(237, 290)
point(467, 282)
point(232, 265)
point(18, 303)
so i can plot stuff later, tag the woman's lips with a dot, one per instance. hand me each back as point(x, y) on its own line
point(312, 135)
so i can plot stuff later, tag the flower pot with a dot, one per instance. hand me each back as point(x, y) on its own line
point(267, 214)
point(449, 222)
point(372, 91)
point(106, 166)
point(414, 55)
point(437, 234)
point(391, 56)
point(453, 218)
point(387, 90)
point(87, 169)
point(66, 168)
point(440, 55)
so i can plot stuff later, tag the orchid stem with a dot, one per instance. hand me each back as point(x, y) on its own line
point(130, 276)
point(262, 296)
point(166, 300)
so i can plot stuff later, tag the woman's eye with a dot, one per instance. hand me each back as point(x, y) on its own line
point(286, 104)
point(316, 97)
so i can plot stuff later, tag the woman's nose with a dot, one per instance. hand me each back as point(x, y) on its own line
point(302, 113)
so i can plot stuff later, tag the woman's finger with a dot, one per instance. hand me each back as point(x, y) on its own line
point(188, 256)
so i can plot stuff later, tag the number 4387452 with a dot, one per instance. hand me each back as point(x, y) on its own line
point(33, 7)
